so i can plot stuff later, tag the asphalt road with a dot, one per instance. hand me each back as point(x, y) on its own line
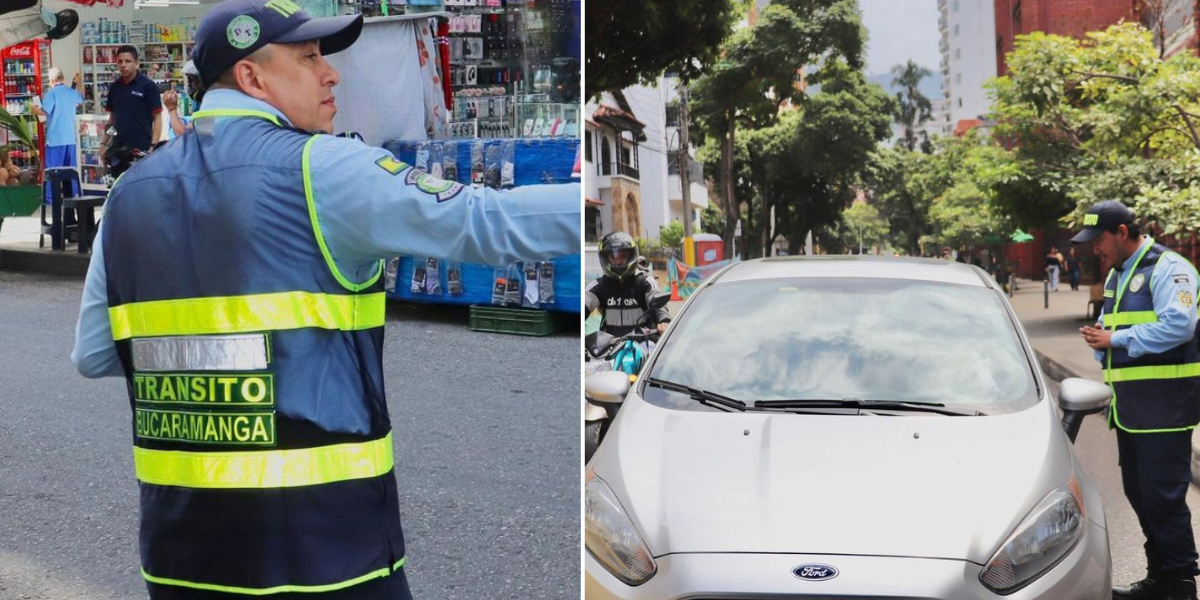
point(487, 457)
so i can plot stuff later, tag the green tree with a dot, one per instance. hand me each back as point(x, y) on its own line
point(913, 108)
point(712, 220)
point(865, 226)
point(810, 163)
point(761, 69)
point(632, 41)
point(670, 236)
point(1104, 116)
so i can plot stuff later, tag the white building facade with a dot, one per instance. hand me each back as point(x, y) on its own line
point(652, 178)
point(968, 30)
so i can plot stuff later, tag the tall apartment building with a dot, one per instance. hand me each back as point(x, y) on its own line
point(967, 28)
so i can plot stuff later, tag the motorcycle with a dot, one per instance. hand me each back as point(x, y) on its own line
point(611, 365)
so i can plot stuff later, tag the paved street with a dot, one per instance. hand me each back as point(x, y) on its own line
point(487, 456)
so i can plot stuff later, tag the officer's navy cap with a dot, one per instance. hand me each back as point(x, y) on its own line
point(1101, 217)
point(235, 29)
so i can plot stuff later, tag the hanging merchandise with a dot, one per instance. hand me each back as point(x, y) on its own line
point(545, 282)
point(435, 160)
point(390, 274)
point(450, 162)
point(531, 295)
point(477, 163)
point(512, 289)
point(454, 279)
point(499, 286)
point(433, 280)
point(507, 163)
point(418, 278)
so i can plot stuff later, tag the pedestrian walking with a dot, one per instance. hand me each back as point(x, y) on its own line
point(1073, 268)
point(1053, 264)
point(238, 287)
point(1146, 339)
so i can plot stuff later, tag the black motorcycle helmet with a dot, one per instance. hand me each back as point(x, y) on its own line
point(618, 255)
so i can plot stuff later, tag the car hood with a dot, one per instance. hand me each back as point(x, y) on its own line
point(927, 486)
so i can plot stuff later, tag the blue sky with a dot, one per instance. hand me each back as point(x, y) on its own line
point(899, 30)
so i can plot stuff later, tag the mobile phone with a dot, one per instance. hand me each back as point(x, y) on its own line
point(164, 87)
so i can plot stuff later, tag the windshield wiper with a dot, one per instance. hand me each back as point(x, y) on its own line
point(931, 407)
point(703, 397)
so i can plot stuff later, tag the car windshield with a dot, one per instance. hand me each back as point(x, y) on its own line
point(838, 338)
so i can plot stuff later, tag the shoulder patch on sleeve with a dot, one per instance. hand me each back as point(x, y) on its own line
point(391, 165)
point(442, 189)
point(1181, 278)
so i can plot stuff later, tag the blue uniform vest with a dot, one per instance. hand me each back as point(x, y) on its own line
point(262, 440)
point(1153, 392)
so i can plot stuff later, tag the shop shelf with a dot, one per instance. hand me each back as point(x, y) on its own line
point(519, 321)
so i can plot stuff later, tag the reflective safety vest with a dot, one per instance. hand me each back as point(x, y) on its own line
point(1153, 392)
point(262, 442)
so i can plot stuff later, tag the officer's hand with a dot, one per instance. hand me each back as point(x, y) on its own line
point(662, 327)
point(1096, 338)
point(77, 79)
point(170, 99)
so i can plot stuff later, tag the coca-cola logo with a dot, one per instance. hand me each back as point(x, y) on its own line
point(20, 51)
point(815, 572)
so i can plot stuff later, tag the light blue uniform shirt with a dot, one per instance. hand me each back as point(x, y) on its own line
point(368, 213)
point(1176, 320)
point(60, 104)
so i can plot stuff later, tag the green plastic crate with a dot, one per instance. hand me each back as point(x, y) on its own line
point(518, 321)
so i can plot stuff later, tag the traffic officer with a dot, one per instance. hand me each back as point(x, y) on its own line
point(1146, 340)
point(623, 292)
point(237, 287)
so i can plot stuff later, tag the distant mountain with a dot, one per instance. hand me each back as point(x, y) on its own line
point(931, 86)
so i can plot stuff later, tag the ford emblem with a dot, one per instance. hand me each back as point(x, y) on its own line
point(815, 572)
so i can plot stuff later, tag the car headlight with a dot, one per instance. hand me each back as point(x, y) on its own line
point(1043, 538)
point(610, 536)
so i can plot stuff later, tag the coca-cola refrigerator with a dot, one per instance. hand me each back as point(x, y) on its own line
point(25, 68)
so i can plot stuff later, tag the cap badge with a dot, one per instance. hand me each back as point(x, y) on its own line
point(242, 32)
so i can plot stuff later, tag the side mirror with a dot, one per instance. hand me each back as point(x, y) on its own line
point(609, 387)
point(1079, 398)
point(601, 340)
point(659, 300)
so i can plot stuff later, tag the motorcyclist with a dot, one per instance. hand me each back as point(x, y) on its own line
point(623, 292)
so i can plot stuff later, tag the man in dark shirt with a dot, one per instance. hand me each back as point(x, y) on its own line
point(134, 105)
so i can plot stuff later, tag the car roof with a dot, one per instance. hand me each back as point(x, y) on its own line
point(858, 267)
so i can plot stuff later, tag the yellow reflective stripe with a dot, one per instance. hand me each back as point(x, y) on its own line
point(1153, 372)
point(253, 312)
point(266, 468)
point(235, 112)
point(1137, 317)
point(316, 225)
point(279, 589)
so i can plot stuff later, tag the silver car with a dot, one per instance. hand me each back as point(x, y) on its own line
point(844, 428)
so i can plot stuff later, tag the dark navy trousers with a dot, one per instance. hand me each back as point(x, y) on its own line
point(1156, 472)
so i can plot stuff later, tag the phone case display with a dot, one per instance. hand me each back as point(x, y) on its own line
point(547, 285)
point(501, 163)
point(92, 174)
point(160, 61)
point(497, 163)
point(507, 54)
point(25, 68)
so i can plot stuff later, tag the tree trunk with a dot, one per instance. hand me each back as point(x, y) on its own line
point(732, 207)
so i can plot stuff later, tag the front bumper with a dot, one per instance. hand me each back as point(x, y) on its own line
point(1085, 574)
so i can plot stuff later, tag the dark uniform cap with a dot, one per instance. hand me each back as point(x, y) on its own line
point(235, 29)
point(1101, 217)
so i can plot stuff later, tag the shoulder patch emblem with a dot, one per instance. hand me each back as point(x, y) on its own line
point(391, 165)
point(442, 189)
point(1135, 284)
point(1185, 298)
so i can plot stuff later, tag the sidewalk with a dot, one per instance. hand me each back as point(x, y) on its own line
point(1054, 334)
point(19, 250)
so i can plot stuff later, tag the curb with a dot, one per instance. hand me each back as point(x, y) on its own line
point(16, 258)
point(1058, 372)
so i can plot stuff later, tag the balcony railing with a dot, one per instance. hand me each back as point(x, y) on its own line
point(628, 171)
